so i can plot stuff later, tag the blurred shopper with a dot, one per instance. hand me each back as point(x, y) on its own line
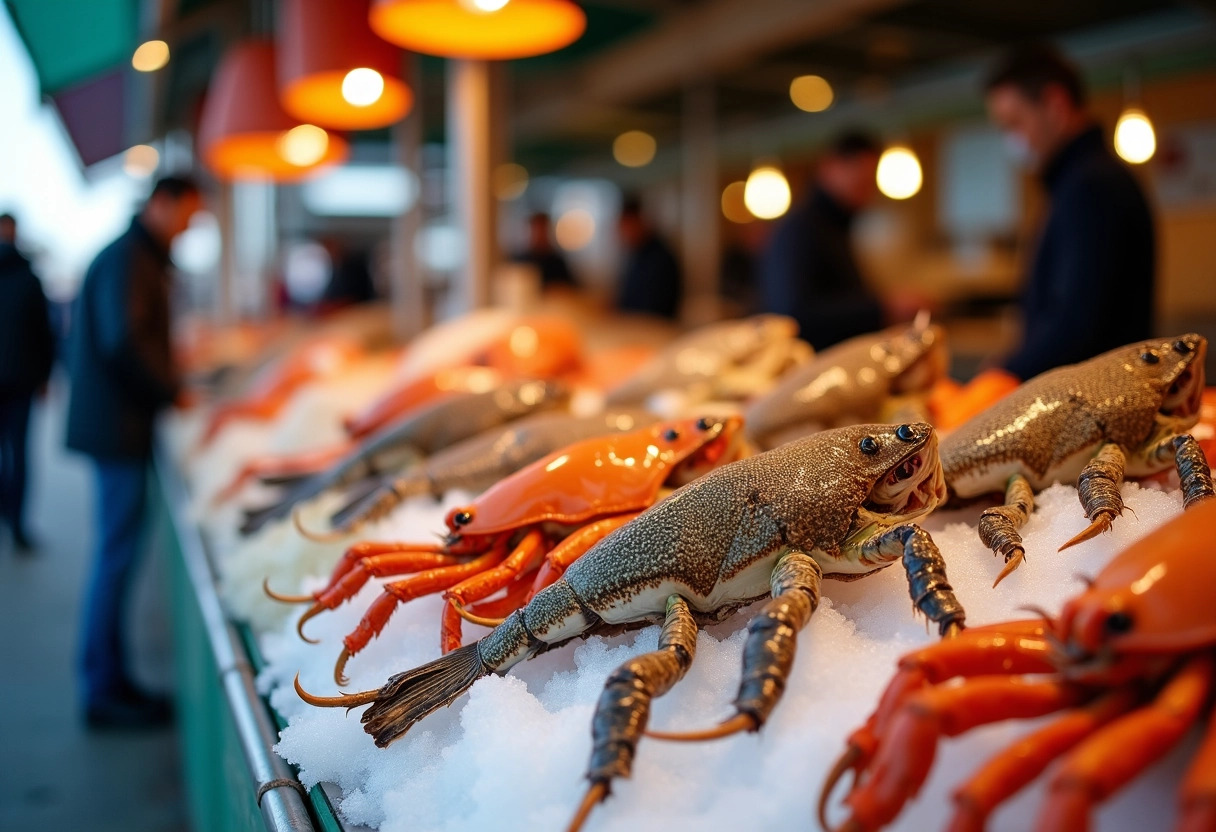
point(27, 350)
point(541, 253)
point(350, 277)
point(651, 281)
point(123, 374)
point(1090, 286)
point(809, 270)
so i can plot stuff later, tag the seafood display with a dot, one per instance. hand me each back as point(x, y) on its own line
point(1129, 663)
point(521, 534)
point(884, 377)
point(1125, 412)
point(839, 504)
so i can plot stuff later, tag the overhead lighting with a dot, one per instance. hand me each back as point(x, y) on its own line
point(811, 93)
point(574, 229)
point(304, 146)
point(1135, 140)
point(510, 181)
point(140, 161)
point(899, 173)
point(486, 29)
point(362, 87)
point(634, 149)
point(734, 206)
point(766, 193)
point(150, 56)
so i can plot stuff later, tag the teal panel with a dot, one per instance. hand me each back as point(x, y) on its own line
point(74, 40)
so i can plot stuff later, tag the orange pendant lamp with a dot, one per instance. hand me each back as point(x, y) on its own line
point(244, 133)
point(333, 69)
point(481, 29)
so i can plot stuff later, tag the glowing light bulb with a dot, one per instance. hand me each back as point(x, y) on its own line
point(150, 56)
point(1135, 140)
point(634, 149)
point(734, 206)
point(362, 87)
point(574, 229)
point(140, 161)
point(484, 6)
point(304, 145)
point(766, 193)
point(899, 173)
point(811, 93)
point(510, 181)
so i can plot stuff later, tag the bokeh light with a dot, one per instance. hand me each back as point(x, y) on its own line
point(140, 161)
point(362, 87)
point(899, 173)
point(150, 56)
point(634, 149)
point(767, 193)
point(304, 145)
point(510, 181)
point(574, 229)
point(811, 93)
point(734, 207)
point(1135, 140)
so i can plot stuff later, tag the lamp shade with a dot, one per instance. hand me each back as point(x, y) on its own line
point(488, 29)
point(244, 133)
point(333, 69)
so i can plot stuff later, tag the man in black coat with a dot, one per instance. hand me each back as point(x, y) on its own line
point(808, 270)
point(27, 349)
point(1090, 287)
point(651, 280)
point(123, 374)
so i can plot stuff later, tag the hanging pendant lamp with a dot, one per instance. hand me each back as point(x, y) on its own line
point(244, 132)
point(485, 29)
point(333, 69)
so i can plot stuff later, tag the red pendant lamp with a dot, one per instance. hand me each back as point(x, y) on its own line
point(480, 29)
point(244, 132)
point(333, 69)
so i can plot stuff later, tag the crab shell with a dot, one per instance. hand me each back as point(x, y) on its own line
point(605, 475)
point(1156, 597)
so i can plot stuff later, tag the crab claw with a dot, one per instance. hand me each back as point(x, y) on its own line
point(342, 700)
point(311, 612)
point(1013, 562)
point(340, 667)
point(850, 760)
point(473, 618)
point(1101, 523)
point(335, 536)
point(737, 723)
point(286, 599)
point(595, 794)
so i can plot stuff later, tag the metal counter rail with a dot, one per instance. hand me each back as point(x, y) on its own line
point(279, 794)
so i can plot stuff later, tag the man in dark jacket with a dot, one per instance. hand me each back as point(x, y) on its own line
point(808, 271)
point(1091, 281)
point(122, 375)
point(27, 349)
point(651, 281)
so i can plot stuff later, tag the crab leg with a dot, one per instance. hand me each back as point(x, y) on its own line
point(1198, 794)
point(415, 586)
point(1016, 766)
point(1109, 759)
point(624, 706)
point(927, 584)
point(906, 754)
point(487, 613)
point(999, 525)
point(1194, 474)
point(350, 560)
point(574, 547)
point(525, 558)
point(768, 655)
point(1098, 487)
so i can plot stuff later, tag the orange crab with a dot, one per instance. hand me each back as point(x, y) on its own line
point(1131, 662)
point(521, 534)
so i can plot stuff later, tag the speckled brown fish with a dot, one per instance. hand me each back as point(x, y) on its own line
point(1124, 412)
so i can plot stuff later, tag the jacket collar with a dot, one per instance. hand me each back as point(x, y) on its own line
point(830, 207)
point(140, 232)
point(1087, 143)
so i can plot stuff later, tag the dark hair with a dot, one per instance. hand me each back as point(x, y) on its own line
point(631, 206)
point(6, 217)
point(1031, 68)
point(174, 187)
point(851, 143)
point(539, 216)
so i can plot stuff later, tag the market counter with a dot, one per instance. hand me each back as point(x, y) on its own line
point(234, 780)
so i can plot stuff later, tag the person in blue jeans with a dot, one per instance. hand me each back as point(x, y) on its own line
point(123, 375)
point(27, 350)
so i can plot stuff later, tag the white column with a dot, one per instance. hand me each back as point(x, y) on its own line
point(700, 246)
point(407, 280)
point(470, 158)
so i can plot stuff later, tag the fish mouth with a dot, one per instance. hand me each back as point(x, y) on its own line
point(1185, 393)
point(912, 487)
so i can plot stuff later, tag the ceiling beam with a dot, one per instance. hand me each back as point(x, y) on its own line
point(685, 46)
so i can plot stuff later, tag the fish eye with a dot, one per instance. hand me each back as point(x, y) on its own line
point(1118, 623)
point(868, 445)
point(463, 517)
point(704, 423)
point(1149, 357)
point(1182, 347)
point(904, 433)
point(671, 434)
